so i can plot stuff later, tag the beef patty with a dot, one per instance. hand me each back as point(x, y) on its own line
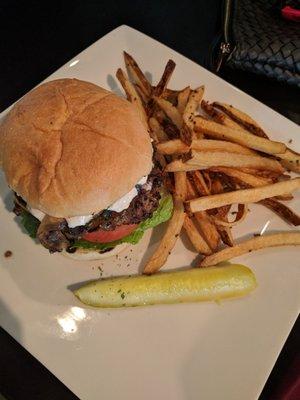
point(55, 235)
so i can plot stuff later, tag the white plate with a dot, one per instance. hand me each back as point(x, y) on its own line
point(190, 351)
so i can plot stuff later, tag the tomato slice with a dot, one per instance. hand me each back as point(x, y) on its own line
point(102, 236)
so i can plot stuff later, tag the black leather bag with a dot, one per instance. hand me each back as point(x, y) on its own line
point(255, 38)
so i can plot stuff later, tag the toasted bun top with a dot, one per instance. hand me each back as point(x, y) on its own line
point(72, 148)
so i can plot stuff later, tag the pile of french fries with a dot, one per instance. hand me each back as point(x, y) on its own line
point(213, 156)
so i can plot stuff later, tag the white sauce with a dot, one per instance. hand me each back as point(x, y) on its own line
point(80, 220)
point(124, 201)
point(36, 213)
point(118, 206)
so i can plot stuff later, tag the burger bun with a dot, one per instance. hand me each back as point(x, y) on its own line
point(92, 255)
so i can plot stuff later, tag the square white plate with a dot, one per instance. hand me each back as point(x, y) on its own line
point(190, 351)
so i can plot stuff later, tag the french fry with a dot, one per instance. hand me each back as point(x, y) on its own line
point(244, 196)
point(221, 214)
point(226, 159)
point(137, 75)
point(240, 216)
point(182, 99)
point(196, 239)
point(226, 235)
point(211, 111)
point(220, 145)
point(290, 160)
point(140, 93)
point(291, 166)
point(170, 129)
point(170, 95)
point(290, 155)
point(204, 222)
point(179, 165)
point(241, 118)
point(249, 180)
point(219, 131)
point(177, 146)
point(186, 134)
point(192, 105)
point(207, 179)
point(256, 243)
point(208, 229)
point(192, 192)
point(164, 80)
point(218, 116)
point(159, 115)
point(159, 134)
point(161, 89)
point(169, 239)
point(216, 161)
point(200, 183)
point(272, 175)
point(204, 160)
point(243, 177)
point(170, 111)
point(132, 95)
point(285, 197)
point(160, 159)
point(180, 185)
point(282, 210)
point(230, 123)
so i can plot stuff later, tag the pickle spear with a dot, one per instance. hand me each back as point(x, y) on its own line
point(191, 285)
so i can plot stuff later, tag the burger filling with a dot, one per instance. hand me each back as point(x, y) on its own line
point(145, 208)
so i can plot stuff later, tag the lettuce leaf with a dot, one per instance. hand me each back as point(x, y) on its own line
point(30, 223)
point(162, 214)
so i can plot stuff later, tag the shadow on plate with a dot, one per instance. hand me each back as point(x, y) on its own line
point(149, 76)
point(10, 322)
point(114, 85)
point(155, 237)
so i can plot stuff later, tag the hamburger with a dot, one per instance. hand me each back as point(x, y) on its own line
point(80, 163)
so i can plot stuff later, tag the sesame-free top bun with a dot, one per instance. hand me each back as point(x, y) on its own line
point(71, 148)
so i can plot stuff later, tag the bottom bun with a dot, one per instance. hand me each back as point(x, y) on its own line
point(90, 255)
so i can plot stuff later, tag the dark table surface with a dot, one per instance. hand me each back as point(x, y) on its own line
point(36, 39)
